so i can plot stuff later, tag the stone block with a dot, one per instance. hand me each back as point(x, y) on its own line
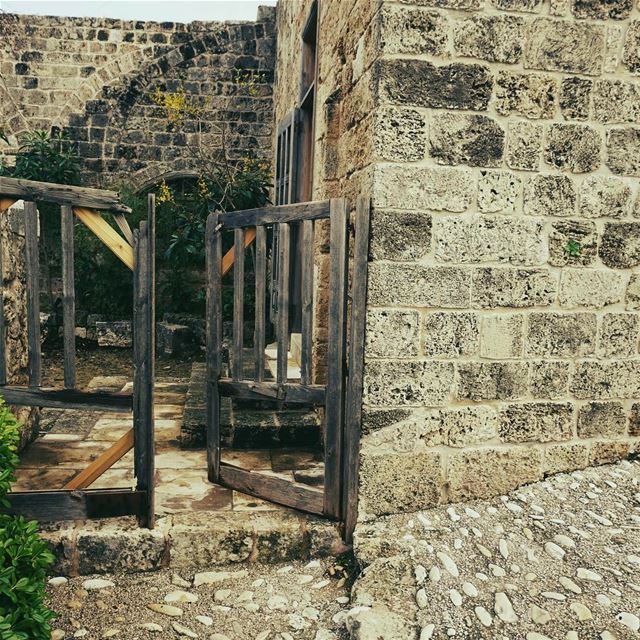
point(564, 45)
point(598, 10)
point(524, 6)
point(620, 245)
point(536, 422)
point(458, 138)
point(482, 238)
point(376, 419)
point(616, 101)
point(549, 195)
point(561, 335)
point(524, 145)
point(392, 334)
point(594, 288)
point(498, 191)
point(634, 420)
point(487, 471)
point(549, 379)
point(413, 285)
point(366, 623)
point(596, 419)
point(573, 243)
point(606, 380)
point(633, 293)
point(421, 83)
point(400, 235)
point(392, 483)
point(414, 30)
point(415, 383)
point(467, 426)
point(174, 339)
point(405, 435)
point(619, 333)
point(400, 135)
point(501, 336)
point(450, 334)
point(623, 151)
point(631, 50)
point(495, 38)
point(114, 334)
point(608, 451)
point(423, 188)
point(532, 95)
point(561, 458)
point(573, 147)
point(506, 287)
point(492, 380)
point(605, 197)
point(614, 38)
point(575, 95)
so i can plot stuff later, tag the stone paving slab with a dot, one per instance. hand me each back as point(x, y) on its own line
point(554, 560)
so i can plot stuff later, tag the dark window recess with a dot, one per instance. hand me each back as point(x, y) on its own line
point(294, 167)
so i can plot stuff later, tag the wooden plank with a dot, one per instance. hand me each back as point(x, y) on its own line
point(289, 494)
point(238, 305)
point(353, 408)
point(52, 506)
point(290, 393)
point(6, 203)
point(32, 264)
point(276, 215)
point(62, 194)
point(259, 334)
point(138, 329)
point(336, 350)
point(68, 298)
point(213, 247)
point(3, 329)
point(102, 463)
point(123, 225)
point(107, 234)
point(284, 243)
point(307, 302)
point(67, 399)
point(229, 257)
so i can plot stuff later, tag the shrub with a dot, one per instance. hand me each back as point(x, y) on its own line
point(24, 556)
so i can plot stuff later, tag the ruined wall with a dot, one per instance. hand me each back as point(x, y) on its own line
point(502, 340)
point(95, 78)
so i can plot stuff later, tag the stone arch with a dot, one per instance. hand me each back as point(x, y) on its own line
point(154, 174)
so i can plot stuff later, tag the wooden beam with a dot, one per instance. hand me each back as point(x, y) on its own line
point(62, 194)
point(32, 264)
point(68, 298)
point(101, 464)
point(275, 215)
point(67, 399)
point(271, 488)
point(230, 256)
point(293, 393)
point(6, 203)
point(105, 232)
point(51, 506)
point(123, 225)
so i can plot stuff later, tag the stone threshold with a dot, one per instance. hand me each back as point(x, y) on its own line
point(189, 542)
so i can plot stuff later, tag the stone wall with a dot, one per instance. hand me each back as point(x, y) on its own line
point(502, 340)
point(95, 78)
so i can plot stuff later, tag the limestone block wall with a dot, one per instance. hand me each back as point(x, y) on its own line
point(503, 328)
point(95, 78)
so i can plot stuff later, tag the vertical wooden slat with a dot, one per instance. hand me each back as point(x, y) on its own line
point(138, 338)
point(307, 301)
point(283, 302)
point(259, 337)
point(336, 349)
point(150, 469)
point(3, 331)
point(33, 293)
point(213, 249)
point(238, 303)
point(353, 409)
point(68, 298)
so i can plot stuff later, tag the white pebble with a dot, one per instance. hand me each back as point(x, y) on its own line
point(427, 632)
point(469, 589)
point(484, 616)
point(455, 597)
point(504, 608)
point(629, 620)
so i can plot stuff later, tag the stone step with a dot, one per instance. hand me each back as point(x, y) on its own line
point(196, 541)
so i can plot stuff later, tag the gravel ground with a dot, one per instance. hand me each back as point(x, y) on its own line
point(248, 601)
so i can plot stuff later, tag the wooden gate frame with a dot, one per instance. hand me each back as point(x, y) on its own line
point(341, 396)
point(137, 251)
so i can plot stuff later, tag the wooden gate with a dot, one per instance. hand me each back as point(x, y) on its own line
point(341, 396)
point(136, 251)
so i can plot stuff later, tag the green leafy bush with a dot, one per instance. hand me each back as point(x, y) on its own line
point(24, 556)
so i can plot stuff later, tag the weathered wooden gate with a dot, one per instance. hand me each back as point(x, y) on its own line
point(342, 393)
point(136, 251)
